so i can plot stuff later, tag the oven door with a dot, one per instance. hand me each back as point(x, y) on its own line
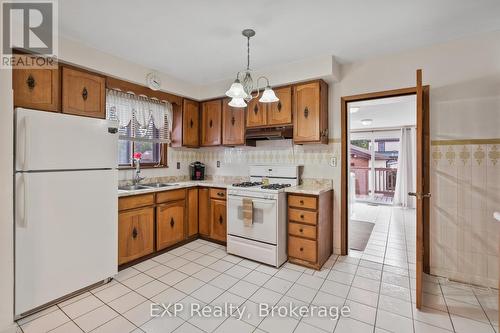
point(264, 223)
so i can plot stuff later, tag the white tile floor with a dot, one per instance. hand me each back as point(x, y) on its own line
point(377, 285)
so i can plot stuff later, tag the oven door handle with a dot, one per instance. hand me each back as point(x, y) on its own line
point(256, 200)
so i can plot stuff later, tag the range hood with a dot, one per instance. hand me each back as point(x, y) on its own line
point(271, 133)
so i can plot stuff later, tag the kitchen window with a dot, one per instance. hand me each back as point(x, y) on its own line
point(144, 126)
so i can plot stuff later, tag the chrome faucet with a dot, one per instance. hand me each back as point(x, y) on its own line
point(137, 176)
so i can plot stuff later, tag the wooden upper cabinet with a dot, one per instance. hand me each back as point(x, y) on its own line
point(256, 113)
point(36, 88)
point(218, 214)
point(83, 93)
point(169, 223)
point(211, 123)
point(233, 124)
point(310, 112)
point(280, 113)
point(190, 123)
point(135, 234)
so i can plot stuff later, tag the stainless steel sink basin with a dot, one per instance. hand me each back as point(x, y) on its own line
point(158, 185)
point(132, 187)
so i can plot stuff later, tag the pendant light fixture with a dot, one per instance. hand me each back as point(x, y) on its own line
point(241, 89)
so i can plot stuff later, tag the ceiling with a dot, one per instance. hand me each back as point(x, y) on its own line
point(384, 113)
point(200, 41)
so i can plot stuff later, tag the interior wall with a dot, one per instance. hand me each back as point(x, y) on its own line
point(464, 79)
point(6, 202)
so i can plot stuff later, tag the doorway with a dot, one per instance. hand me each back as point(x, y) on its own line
point(422, 195)
point(381, 168)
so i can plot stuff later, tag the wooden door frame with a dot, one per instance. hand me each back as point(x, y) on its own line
point(344, 160)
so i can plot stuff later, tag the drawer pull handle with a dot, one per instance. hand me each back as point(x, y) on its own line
point(211, 123)
point(134, 233)
point(220, 194)
point(85, 93)
point(301, 249)
point(191, 123)
point(306, 112)
point(30, 81)
point(302, 216)
point(172, 222)
point(233, 120)
point(301, 230)
point(221, 219)
point(301, 202)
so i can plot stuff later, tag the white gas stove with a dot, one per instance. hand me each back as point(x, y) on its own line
point(260, 233)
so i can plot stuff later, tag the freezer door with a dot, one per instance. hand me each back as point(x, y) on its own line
point(66, 233)
point(53, 141)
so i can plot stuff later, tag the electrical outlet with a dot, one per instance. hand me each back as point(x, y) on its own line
point(333, 161)
point(218, 164)
point(178, 165)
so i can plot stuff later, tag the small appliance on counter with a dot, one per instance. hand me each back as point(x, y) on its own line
point(197, 171)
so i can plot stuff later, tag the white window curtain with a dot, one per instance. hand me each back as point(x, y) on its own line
point(406, 176)
point(150, 119)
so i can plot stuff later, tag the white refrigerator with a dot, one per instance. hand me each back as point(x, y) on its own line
point(66, 220)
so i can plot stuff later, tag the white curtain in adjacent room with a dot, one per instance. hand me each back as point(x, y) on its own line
point(406, 176)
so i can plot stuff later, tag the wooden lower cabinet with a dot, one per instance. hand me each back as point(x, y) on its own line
point(310, 229)
point(218, 219)
point(135, 234)
point(170, 223)
point(192, 212)
point(204, 212)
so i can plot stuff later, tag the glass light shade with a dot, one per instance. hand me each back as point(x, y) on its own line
point(268, 96)
point(237, 103)
point(366, 122)
point(236, 90)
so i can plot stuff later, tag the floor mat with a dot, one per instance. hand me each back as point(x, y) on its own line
point(359, 234)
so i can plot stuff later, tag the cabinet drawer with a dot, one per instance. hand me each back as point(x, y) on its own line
point(302, 201)
point(218, 193)
point(172, 195)
point(135, 201)
point(302, 230)
point(301, 248)
point(303, 216)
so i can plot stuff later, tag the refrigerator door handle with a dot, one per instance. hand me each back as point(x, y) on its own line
point(24, 221)
point(27, 142)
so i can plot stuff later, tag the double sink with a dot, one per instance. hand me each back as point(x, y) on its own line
point(144, 186)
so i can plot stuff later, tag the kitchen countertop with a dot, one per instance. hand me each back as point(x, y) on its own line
point(178, 185)
point(309, 189)
point(301, 189)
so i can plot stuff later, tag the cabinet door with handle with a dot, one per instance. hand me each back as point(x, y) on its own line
point(190, 123)
point(211, 119)
point(218, 210)
point(280, 113)
point(36, 88)
point(256, 113)
point(204, 218)
point(233, 124)
point(306, 113)
point(169, 224)
point(83, 94)
point(135, 234)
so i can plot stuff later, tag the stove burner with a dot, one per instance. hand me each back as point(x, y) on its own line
point(247, 184)
point(274, 186)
